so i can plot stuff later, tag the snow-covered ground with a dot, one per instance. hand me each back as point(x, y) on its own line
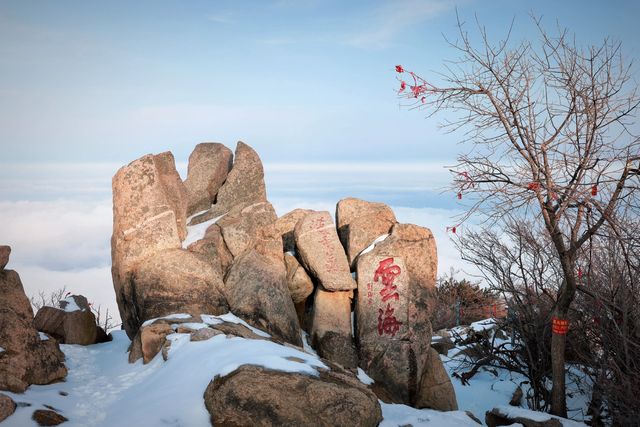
point(103, 389)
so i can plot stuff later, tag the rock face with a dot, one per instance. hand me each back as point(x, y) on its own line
point(321, 252)
point(244, 184)
point(46, 417)
point(209, 165)
point(73, 323)
point(7, 407)
point(213, 247)
point(256, 290)
point(173, 281)
point(26, 358)
point(149, 215)
point(286, 224)
point(436, 390)
point(298, 281)
point(331, 327)
point(360, 222)
point(255, 396)
point(393, 329)
point(5, 252)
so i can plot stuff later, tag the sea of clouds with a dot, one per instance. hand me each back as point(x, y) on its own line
point(58, 217)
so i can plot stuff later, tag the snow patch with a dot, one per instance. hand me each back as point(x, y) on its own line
point(483, 325)
point(232, 318)
point(514, 412)
point(190, 325)
point(197, 232)
point(305, 343)
point(43, 336)
point(401, 415)
point(1, 349)
point(364, 378)
point(71, 305)
point(373, 244)
point(169, 317)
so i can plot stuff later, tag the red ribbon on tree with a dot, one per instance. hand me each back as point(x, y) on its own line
point(399, 69)
point(403, 86)
point(594, 190)
point(534, 186)
point(459, 195)
point(559, 326)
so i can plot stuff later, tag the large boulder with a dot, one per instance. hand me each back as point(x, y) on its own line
point(72, 323)
point(286, 224)
point(436, 390)
point(331, 327)
point(7, 407)
point(256, 290)
point(321, 253)
point(395, 280)
point(149, 215)
point(209, 165)
point(26, 358)
point(254, 396)
point(360, 222)
point(244, 184)
point(171, 281)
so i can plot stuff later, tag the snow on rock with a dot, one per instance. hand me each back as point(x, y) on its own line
point(401, 415)
point(169, 317)
point(232, 318)
point(1, 349)
point(70, 305)
point(373, 244)
point(483, 325)
point(364, 378)
point(197, 232)
point(513, 412)
point(43, 336)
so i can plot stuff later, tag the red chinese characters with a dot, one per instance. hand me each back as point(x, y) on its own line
point(387, 322)
point(386, 274)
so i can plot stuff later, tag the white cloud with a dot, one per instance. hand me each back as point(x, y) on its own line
point(221, 18)
point(388, 21)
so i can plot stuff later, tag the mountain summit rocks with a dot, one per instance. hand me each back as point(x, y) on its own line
point(359, 286)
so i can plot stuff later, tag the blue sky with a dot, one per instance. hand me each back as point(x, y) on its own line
point(86, 87)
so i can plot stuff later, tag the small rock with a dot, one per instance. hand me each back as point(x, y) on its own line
point(436, 390)
point(45, 417)
point(7, 407)
point(204, 334)
point(298, 281)
point(516, 398)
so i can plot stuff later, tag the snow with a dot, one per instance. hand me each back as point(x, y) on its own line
point(292, 253)
point(305, 343)
point(483, 325)
point(1, 349)
point(373, 244)
point(232, 318)
point(197, 232)
point(105, 390)
point(364, 378)
point(514, 412)
point(71, 305)
point(402, 415)
point(169, 317)
point(43, 336)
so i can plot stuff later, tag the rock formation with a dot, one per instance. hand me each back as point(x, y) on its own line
point(277, 274)
point(7, 407)
point(25, 358)
point(394, 332)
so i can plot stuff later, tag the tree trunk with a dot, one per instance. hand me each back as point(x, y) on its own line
point(558, 392)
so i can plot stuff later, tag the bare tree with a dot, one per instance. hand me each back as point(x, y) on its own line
point(548, 126)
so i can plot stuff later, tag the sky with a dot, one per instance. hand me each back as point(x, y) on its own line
point(86, 87)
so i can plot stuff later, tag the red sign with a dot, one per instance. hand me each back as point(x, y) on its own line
point(559, 326)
